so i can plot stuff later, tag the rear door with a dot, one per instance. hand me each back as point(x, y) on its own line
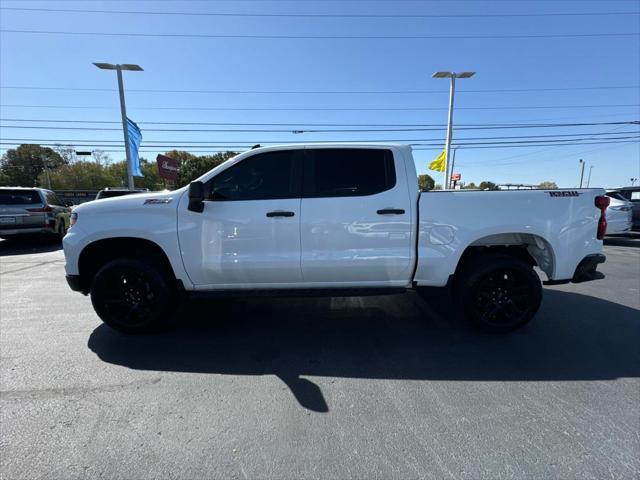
point(248, 235)
point(356, 218)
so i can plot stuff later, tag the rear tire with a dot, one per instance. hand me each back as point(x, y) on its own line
point(499, 293)
point(132, 296)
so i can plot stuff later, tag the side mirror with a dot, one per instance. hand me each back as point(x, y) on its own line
point(196, 197)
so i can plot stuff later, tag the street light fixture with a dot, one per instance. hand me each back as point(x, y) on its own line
point(123, 109)
point(452, 90)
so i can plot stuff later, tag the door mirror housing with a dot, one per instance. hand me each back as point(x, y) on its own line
point(196, 197)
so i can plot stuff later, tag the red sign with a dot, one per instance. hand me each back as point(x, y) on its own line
point(456, 177)
point(167, 167)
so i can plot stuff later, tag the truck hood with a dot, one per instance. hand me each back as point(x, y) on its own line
point(136, 201)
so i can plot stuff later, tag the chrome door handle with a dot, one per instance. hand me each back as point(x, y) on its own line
point(391, 211)
point(280, 214)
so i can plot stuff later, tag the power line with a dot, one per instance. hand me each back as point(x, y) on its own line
point(322, 15)
point(591, 134)
point(323, 109)
point(248, 143)
point(303, 128)
point(418, 148)
point(306, 92)
point(322, 37)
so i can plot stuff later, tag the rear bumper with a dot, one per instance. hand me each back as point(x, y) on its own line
point(585, 271)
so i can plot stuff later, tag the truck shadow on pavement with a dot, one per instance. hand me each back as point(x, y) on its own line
point(574, 337)
point(29, 245)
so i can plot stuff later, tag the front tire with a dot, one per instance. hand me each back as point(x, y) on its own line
point(499, 293)
point(131, 296)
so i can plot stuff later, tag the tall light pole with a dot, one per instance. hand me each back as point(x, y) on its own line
point(581, 171)
point(123, 109)
point(452, 91)
point(589, 176)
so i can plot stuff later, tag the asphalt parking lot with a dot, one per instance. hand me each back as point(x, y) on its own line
point(319, 388)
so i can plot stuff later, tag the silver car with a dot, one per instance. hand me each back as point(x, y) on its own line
point(32, 211)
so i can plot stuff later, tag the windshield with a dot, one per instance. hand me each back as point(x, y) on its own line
point(617, 196)
point(113, 193)
point(19, 197)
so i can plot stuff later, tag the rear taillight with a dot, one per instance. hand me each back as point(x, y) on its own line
point(73, 219)
point(602, 202)
point(40, 209)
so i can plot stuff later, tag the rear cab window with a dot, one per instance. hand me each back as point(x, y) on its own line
point(348, 172)
point(19, 197)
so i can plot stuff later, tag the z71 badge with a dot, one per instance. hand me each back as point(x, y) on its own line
point(567, 193)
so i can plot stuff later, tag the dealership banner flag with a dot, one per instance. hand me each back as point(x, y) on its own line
point(438, 163)
point(135, 137)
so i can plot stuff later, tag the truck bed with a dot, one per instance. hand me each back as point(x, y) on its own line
point(559, 228)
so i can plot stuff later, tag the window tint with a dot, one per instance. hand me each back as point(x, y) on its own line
point(52, 199)
point(347, 172)
point(616, 195)
point(260, 177)
point(19, 197)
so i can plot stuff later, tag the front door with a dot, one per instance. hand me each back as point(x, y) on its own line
point(248, 235)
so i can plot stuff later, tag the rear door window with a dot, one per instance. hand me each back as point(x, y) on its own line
point(348, 172)
point(19, 197)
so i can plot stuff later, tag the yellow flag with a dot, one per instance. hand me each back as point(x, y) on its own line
point(438, 163)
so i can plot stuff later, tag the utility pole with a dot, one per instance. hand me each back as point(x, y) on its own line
point(123, 110)
point(581, 171)
point(589, 176)
point(45, 166)
point(452, 91)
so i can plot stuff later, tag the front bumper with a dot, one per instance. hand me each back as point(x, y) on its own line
point(75, 284)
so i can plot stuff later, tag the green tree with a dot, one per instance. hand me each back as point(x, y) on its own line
point(486, 185)
point(548, 185)
point(82, 175)
point(470, 186)
point(191, 167)
point(150, 180)
point(23, 165)
point(426, 182)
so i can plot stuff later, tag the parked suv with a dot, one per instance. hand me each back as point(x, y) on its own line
point(32, 211)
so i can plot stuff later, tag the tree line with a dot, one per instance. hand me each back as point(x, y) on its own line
point(426, 183)
point(32, 165)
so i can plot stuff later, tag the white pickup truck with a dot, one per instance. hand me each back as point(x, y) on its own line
point(330, 219)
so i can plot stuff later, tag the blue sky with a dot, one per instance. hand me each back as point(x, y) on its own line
point(580, 66)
